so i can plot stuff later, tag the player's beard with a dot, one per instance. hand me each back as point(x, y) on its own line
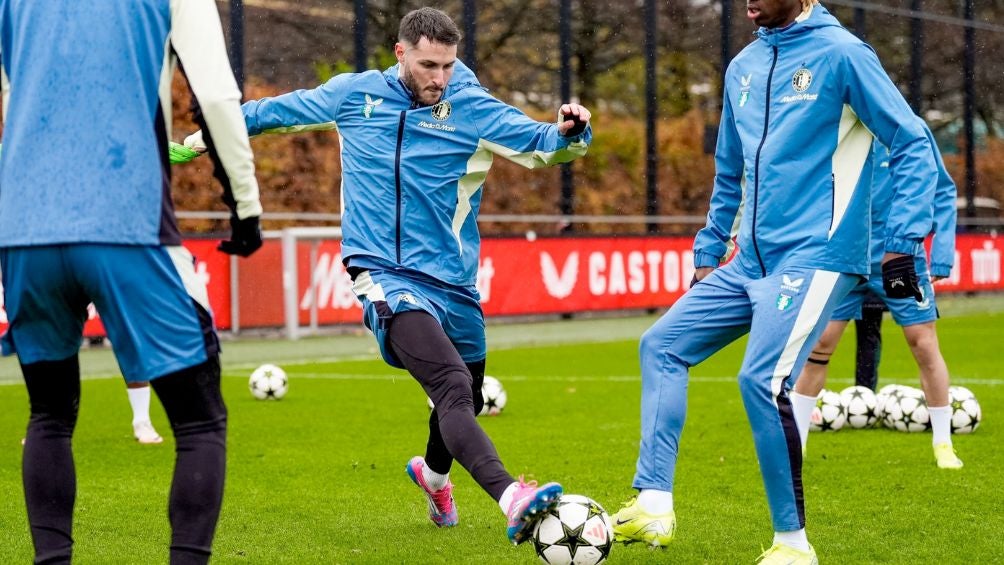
point(409, 81)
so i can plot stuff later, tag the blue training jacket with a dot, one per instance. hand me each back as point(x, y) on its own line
point(87, 118)
point(793, 162)
point(412, 175)
point(945, 214)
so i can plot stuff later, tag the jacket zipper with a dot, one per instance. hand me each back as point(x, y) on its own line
point(397, 181)
point(833, 198)
point(756, 168)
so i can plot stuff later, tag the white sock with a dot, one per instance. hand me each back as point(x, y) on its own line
point(139, 398)
point(941, 424)
point(802, 406)
point(655, 501)
point(434, 479)
point(796, 539)
point(507, 495)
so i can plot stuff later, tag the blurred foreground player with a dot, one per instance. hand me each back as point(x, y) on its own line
point(93, 221)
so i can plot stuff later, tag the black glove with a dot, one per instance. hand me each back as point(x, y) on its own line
point(899, 278)
point(245, 237)
point(577, 129)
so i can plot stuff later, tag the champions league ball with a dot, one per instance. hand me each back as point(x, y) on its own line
point(909, 411)
point(884, 400)
point(860, 403)
point(268, 382)
point(829, 413)
point(576, 532)
point(966, 412)
point(493, 394)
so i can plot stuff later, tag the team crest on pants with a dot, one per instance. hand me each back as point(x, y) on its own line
point(783, 302)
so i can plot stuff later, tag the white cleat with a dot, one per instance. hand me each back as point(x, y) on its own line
point(145, 433)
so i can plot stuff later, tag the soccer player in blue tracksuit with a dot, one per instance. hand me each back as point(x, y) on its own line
point(916, 317)
point(86, 216)
point(417, 142)
point(792, 184)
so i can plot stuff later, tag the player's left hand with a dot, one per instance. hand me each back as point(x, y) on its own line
point(899, 277)
point(572, 119)
point(245, 237)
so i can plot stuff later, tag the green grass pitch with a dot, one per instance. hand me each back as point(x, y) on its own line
point(318, 477)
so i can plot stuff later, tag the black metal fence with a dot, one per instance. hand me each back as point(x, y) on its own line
point(915, 17)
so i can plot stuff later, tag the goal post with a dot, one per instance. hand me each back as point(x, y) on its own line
point(291, 239)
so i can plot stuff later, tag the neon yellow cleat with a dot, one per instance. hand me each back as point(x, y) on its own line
point(780, 554)
point(947, 459)
point(632, 524)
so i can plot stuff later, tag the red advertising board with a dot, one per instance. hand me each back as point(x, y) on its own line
point(516, 276)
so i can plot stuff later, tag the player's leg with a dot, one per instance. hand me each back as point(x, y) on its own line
point(139, 400)
point(923, 341)
point(438, 460)
point(710, 315)
point(156, 311)
point(46, 313)
point(810, 383)
point(790, 312)
point(918, 322)
point(869, 342)
point(420, 343)
point(432, 472)
point(194, 406)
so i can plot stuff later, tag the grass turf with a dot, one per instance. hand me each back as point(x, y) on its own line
point(319, 476)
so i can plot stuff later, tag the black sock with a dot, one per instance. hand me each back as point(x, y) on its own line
point(417, 339)
point(50, 480)
point(194, 406)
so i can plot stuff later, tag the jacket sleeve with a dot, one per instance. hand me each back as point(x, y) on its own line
point(945, 216)
point(506, 131)
point(876, 101)
point(197, 39)
point(301, 110)
point(714, 242)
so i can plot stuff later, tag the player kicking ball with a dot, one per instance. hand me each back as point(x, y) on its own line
point(417, 141)
point(915, 314)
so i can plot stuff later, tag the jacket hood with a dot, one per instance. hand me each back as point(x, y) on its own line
point(463, 77)
point(814, 18)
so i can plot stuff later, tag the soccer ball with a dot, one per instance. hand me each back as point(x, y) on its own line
point(829, 413)
point(884, 399)
point(268, 382)
point(966, 411)
point(492, 392)
point(860, 403)
point(494, 395)
point(910, 411)
point(959, 393)
point(576, 532)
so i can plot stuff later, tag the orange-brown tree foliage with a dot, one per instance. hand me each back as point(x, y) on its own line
point(302, 173)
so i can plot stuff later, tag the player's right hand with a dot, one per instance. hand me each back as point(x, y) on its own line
point(699, 274)
point(245, 236)
point(899, 278)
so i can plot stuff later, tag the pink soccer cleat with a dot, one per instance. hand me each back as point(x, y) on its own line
point(442, 508)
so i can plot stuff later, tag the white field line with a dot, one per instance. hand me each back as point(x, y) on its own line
point(592, 378)
point(229, 372)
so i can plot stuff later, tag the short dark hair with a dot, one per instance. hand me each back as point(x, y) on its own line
point(430, 23)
